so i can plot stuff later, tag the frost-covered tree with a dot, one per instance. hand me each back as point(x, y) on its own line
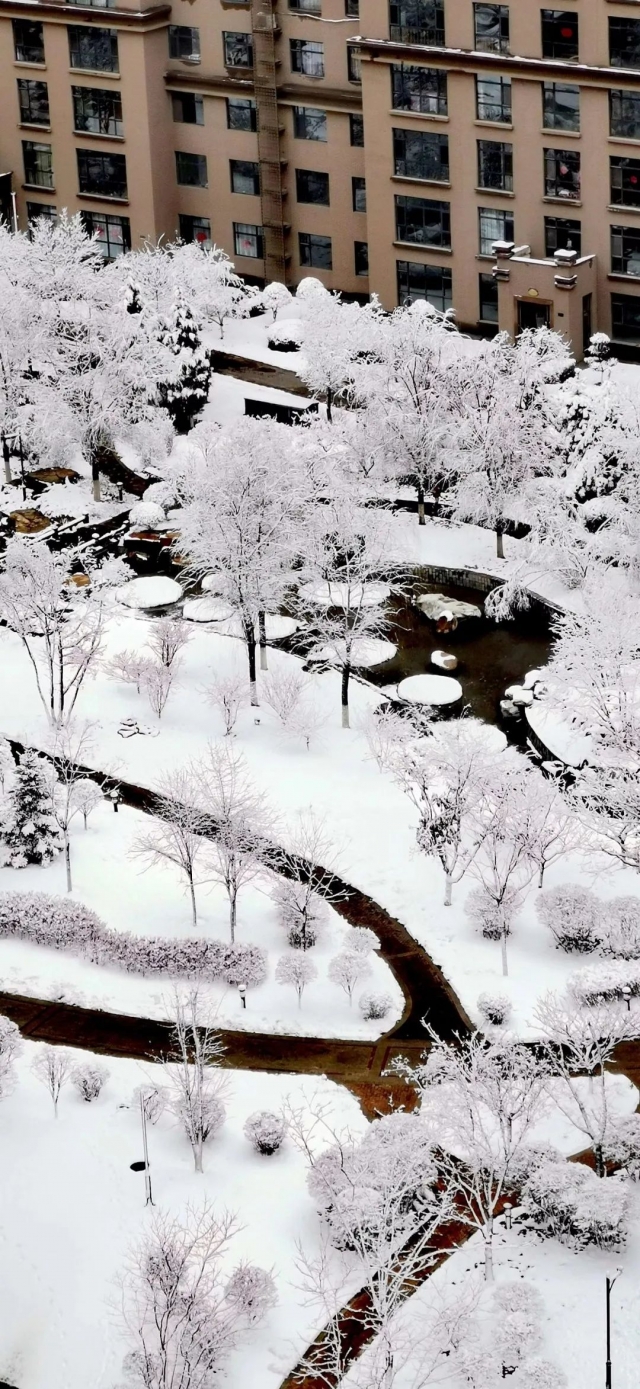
point(228, 694)
point(306, 863)
point(241, 819)
point(53, 1066)
point(177, 838)
point(347, 970)
point(293, 697)
point(89, 1080)
point(185, 392)
point(168, 638)
point(157, 680)
point(296, 970)
point(335, 333)
point(510, 842)
point(87, 796)
point(32, 833)
point(195, 1087)
point(11, 1047)
point(595, 667)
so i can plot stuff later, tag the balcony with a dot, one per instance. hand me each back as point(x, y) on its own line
point(432, 38)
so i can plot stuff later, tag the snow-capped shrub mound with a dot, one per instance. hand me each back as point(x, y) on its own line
point(286, 336)
point(362, 940)
point(147, 516)
point(276, 296)
point(603, 983)
point(265, 1130)
point(620, 928)
point(251, 1291)
point(568, 1201)
point(622, 1147)
point(541, 1374)
point(310, 288)
point(89, 1080)
point(573, 915)
point(494, 1008)
point(374, 1006)
point(58, 922)
point(163, 494)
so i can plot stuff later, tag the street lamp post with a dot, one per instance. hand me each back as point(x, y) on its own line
point(609, 1285)
point(145, 1149)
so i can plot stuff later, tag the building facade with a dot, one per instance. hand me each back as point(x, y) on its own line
point(483, 156)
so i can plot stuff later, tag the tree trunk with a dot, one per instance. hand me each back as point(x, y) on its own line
point(599, 1160)
point(541, 874)
point(346, 672)
point(262, 628)
point(488, 1250)
point(421, 516)
point(7, 462)
point(67, 859)
point(250, 638)
point(448, 889)
point(233, 915)
point(505, 964)
point(329, 404)
point(194, 914)
point(499, 543)
point(95, 479)
point(197, 1154)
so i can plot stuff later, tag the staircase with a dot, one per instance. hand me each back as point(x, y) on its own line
point(264, 28)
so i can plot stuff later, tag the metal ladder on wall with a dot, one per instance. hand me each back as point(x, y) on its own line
point(264, 28)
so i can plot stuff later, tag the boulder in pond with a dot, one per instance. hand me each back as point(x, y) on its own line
point(446, 612)
point(444, 660)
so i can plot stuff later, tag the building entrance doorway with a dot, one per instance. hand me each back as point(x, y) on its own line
point(533, 314)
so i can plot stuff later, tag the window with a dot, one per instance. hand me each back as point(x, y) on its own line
point(315, 251)
point(195, 229)
point(418, 89)
point(245, 176)
point(625, 250)
point(625, 182)
point(354, 64)
point(184, 42)
point(113, 233)
point(238, 50)
point(430, 282)
point(561, 174)
point(624, 43)
point(241, 113)
point(356, 131)
point(625, 316)
point(34, 102)
point(562, 234)
point(361, 257)
point(307, 57)
point(191, 169)
point(38, 167)
point(491, 28)
point(309, 123)
point(96, 111)
point(105, 174)
point(624, 114)
point(28, 41)
point(352, 9)
point(248, 240)
point(423, 221)
point(488, 296)
point(560, 106)
point(494, 225)
point(306, 6)
point(312, 186)
point(94, 50)
point(421, 154)
point(493, 99)
point(559, 34)
point(359, 194)
point(495, 165)
point(417, 21)
point(36, 210)
point(188, 109)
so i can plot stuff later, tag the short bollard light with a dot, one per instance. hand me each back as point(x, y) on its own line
point(626, 994)
point(242, 990)
point(507, 1214)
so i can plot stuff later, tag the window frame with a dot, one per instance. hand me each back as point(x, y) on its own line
point(361, 258)
point(27, 116)
point(505, 147)
point(242, 103)
point(358, 187)
point(437, 101)
point(414, 139)
point(503, 105)
point(91, 33)
point(199, 162)
point(311, 241)
point(114, 97)
point(553, 87)
point(433, 33)
point(302, 49)
point(556, 45)
point(619, 301)
point(251, 231)
point(486, 238)
point(554, 178)
point(22, 49)
point(240, 39)
point(553, 232)
point(301, 123)
point(109, 218)
point(617, 24)
point(433, 212)
point(204, 240)
point(103, 158)
point(500, 43)
point(445, 293)
point(306, 176)
point(45, 151)
point(628, 97)
point(484, 280)
point(238, 169)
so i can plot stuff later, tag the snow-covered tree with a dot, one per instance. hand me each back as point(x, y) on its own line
point(241, 819)
point(196, 1089)
point(275, 296)
point(89, 1080)
point(510, 842)
point(52, 1066)
point(228, 694)
point(347, 970)
point(306, 863)
point(595, 667)
point(70, 748)
point(32, 833)
point(87, 796)
point(157, 680)
point(177, 838)
point(185, 392)
point(296, 970)
point(168, 638)
point(293, 697)
point(335, 333)
point(11, 1047)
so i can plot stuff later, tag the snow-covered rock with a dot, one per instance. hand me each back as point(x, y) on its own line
point(147, 516)
point(208, 609)
point(445, 660)
point(331, 595)
point(437, 606)
point(366, 651)
point(518, 695)
point(430, 689)
point(286, 335)
point(155, 592)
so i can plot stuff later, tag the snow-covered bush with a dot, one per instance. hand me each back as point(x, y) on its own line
point(622, 1146)
point(296, 970)
point(569, 1201)
point(89, 1080)
point(11, 1045)
point(518, 1330)
point(620, 928)
point(494, 1008)
point(251, 1293)
point(491, 918)
point(573, 915)
point(162, 494)
point(606, 982)
point(286, 336)
point(155, 1099)
point(302, 912)
point(374, 1006)
point(362, 940)
point(147, 516)
point(7, 764)
point(541, 1374)
point(276, 296)
point(31, 833)
point(265, 1130)
point(347, 969)
point(85, 796)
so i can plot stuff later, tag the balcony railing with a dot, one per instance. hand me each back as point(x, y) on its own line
point(434, 38)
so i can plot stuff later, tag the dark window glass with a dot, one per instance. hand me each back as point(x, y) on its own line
point(309, 123)
point(354, 64)
point(352, 9)
point(562, 174)
point(493, 225)
point(625, 250)
point(184, 42)
point(188, 109)
point(191, 169)
point(28, 41)
point(356, 131)
point(493, 98)
point(430, 282)
point(306, 6)
point(94, 50)
point(315, 251)
point(491, 28)
point(312, 186)
point(495, 165)
point(417, 21)
point(421, 154)
point(36, 210)
point(241, 113)
point(196, 229)
point(560, 106)
point(361, 257)
point(113, 234)
point(38, 166)
point(34, 102)
point(96, 111)
point(488, 294)
point(624, 43)
point(307, 57)
point(559, 34)
point(248, 240)
point(359, 194)
point(562, 234)
point(625, 316)
point(418, 89)
point(245, 176)
point(624, 114)
point(423, 221)
point(105, 174)
point(238, 50)
point(625, 182)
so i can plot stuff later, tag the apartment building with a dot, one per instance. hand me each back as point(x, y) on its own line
point(485, 157)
